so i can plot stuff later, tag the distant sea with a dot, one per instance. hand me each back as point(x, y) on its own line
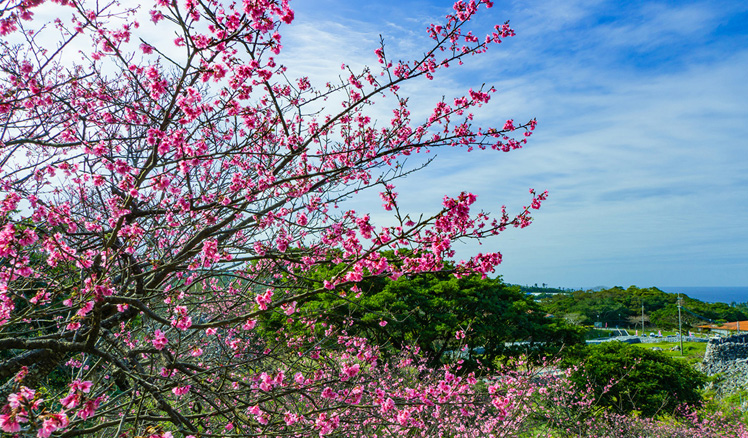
point(712, 294)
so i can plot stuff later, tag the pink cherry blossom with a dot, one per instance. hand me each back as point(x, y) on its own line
point(196, 186)
point(10, 423)
point(159, 340)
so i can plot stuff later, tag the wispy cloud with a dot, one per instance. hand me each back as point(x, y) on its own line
point(642, 137)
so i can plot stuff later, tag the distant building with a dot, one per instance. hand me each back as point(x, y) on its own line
point(725, 329)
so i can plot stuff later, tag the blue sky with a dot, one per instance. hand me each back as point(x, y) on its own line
point(642, 139)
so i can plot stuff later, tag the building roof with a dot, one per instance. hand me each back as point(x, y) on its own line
point(727, 326)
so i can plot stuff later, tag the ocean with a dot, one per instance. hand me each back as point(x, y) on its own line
point(712, 294)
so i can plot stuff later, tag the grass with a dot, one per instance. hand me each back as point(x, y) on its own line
point(693, 351)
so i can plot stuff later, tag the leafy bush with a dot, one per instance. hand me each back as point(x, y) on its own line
point(628, 378)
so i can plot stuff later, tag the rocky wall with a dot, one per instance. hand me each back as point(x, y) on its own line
point(729, 357)
point(726, 349)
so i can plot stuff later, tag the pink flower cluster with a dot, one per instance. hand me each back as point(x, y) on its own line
point(217, 180)
point(159, 340)
point(181, 320)
point(264, 299)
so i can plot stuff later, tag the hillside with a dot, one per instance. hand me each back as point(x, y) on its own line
point(623, 307)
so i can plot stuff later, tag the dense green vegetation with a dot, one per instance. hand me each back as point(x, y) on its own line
point(623, 307)
point(542, 289)
point(646, 381)
point(432, 312)
point(743, 307)
point(441, 314)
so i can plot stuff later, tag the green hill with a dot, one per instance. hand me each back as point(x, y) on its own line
point(623, 307)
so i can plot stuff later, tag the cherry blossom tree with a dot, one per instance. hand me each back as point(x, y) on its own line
point(162, 191)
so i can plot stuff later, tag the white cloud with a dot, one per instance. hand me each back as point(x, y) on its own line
point(641, 142)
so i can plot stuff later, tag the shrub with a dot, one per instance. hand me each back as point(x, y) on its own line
point(628, 379)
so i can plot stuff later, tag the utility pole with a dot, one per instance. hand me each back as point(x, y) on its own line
point(642, 317)
point(680, 323)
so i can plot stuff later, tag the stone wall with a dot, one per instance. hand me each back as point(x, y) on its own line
point(726, 349)
point(728, 357)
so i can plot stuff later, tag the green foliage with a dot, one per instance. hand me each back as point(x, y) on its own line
point(429, 310)
point(667, 317)
point(541, 289)
point(735, 403)
point(648, 381)
point(743, 307)
point(622, 307)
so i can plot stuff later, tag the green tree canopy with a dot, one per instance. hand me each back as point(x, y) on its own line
point(433, 311)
